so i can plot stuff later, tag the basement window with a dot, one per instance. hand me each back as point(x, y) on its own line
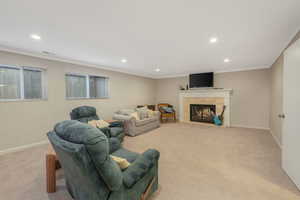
point(21, 83)
point(86, 86)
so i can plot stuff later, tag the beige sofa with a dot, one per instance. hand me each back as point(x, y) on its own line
point(134, 127)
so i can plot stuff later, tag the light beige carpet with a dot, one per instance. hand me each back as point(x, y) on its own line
point(197, 162)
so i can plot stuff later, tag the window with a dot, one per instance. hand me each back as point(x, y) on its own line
point(98, 87)
point(32, 84)
point(20, 83)
point(76, 86)
point(9, 83)
point(85, 86)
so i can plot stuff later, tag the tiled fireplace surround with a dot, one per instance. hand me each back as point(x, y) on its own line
point(217, 97)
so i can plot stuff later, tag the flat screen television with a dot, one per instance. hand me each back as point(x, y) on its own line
point(202, 80)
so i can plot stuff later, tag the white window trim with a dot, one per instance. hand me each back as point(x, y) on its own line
point(87, 79)
point(21, 68)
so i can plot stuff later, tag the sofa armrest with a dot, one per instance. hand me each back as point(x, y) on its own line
point(139, 168)
point(156, 113)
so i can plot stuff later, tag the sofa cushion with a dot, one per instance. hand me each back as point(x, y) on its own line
point(97, 146)
point(145, 121)
point(125, 112)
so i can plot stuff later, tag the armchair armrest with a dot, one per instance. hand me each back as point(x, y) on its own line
point(156, 113)
point(106, 131)
point(116, 124)
point(114, 144)
point(138, 169)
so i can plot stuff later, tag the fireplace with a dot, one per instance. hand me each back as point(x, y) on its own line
point(202, 113)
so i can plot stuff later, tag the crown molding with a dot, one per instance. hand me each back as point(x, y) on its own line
point(67, 60)
point(216, 72)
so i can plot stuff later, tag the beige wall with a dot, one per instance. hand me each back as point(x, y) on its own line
point(277, 94)
point(250, 100)
point(24, 123)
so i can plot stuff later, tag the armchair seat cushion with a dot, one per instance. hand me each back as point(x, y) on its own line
point(124, 153)
point(140, 167)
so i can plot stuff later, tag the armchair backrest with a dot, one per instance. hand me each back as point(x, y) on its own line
point(84, 114)
point(163, 105)
point(83, 152)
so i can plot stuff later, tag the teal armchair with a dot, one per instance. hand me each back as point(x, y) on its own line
point(87, 113)
point(90, 173)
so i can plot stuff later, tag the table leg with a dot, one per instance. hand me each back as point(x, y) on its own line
point(50, 172)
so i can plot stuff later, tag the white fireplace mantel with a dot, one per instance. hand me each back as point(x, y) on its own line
point(207, 93)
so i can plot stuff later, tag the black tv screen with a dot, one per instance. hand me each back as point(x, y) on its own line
point(202, 80)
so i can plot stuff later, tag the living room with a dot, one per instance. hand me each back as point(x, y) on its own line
point(193, 109)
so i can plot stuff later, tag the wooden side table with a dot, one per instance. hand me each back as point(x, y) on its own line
point(52, 164)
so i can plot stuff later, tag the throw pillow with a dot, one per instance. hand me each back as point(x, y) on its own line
point(167, 109)
point(142, 112)
point(150, 113)
point(98, 123)
point(122, 162)
point(135, 115)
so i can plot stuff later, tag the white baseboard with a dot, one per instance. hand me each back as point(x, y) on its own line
point(276, 139)
point(252, 127)
point(23, 147)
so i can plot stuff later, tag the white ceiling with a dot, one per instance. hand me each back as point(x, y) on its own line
point(172, 35)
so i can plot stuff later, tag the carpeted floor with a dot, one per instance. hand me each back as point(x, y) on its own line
point(197, 162)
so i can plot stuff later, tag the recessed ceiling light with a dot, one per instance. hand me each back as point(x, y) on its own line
point(35, 37)
point(124, 61)
point(226, 60)
point(213, 40)
point(157, 70)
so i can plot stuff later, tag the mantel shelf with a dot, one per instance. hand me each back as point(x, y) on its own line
point(207, 90)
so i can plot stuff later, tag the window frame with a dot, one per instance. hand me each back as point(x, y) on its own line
point(87, 80)
point(21, 85)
